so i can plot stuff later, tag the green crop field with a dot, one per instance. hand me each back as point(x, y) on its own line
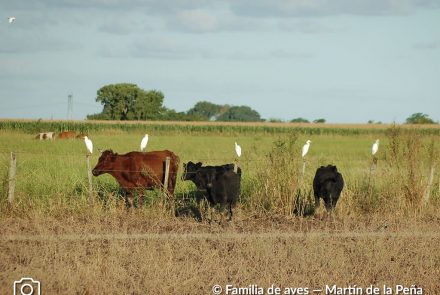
point(92, 241)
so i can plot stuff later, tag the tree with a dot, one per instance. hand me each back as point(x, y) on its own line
point(275, 120)
point(240, 113)
point(129, 102)
point(172, 115)
point(419, 118)
point(321, 120)
point(206, 110)
point(299, 120)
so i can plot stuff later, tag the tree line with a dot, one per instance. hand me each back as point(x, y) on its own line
point(125, 101)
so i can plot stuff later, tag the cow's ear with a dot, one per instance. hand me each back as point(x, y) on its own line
point(199, 164)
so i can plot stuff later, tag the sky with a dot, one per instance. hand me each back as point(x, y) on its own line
point(348, 61)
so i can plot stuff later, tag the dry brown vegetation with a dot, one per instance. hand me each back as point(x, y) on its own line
point(120, 253)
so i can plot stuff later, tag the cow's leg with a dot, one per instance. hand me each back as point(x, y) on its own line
point(213, 213)
point(316, 201)
point(207, 210)
point(211, 217)
point(222, 211)
point(230, 211)
point(329, 203)
point(172, 182)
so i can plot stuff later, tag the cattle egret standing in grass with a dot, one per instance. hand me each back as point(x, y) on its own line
point(375, 147)
point(305, 148)
point(89, 144)
point(144, 142)
point(374, 150)
point(238, 150)
point(11, 19)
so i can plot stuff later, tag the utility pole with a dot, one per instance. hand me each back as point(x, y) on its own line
point(70, 107)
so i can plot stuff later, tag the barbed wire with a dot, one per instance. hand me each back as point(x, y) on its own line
point(192, 159)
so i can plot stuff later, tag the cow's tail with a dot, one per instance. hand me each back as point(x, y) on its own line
point(173, 172)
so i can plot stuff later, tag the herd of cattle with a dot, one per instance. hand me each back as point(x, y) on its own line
point(61, 135)
point(139, 171)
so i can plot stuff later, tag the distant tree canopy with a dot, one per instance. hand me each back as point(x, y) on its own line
point(419, 118)
point(373, 122)
point(126, 101)
point(129, 102)
point(206, 110)
point(299, 120)
point(320, 120)
point(240, 113)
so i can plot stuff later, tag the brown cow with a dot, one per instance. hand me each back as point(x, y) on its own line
point(81, 136)
point(66, 135)
point(136, 171)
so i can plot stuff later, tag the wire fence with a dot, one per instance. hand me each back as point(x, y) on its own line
point(44, 174)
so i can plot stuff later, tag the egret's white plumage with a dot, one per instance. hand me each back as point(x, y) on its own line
point(305, 148)
point(375, 147)
point(144, 142)
point(11, 19)
point(238, 150)
point(89, 144)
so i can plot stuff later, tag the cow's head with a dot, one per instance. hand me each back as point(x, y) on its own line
point(105, 163)
point(190, 169)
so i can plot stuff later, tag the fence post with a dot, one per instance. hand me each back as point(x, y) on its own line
point(167, 173)
point(89, 175)
point(11, 180)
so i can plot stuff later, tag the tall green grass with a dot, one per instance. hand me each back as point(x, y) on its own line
point(53, 173)
point(199, 127)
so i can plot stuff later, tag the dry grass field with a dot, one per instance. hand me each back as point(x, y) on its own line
point(382, 232)
point(131, 254)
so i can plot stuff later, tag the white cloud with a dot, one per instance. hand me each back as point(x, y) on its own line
point(163, 47)
point(208, 21)
point(124, 24)
point(304, 8)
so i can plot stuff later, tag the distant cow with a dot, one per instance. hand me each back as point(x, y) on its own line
point(81, 136)
point(137, 171)
point(66, 135)
point(45, 136)
point(327, 184)
point(220, 184)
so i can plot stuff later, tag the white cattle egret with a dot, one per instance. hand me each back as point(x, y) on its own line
point(238, 150)
point(375, 147)
point(305, 148)
point(144, 142)
point(89, 144)
point(11, 19)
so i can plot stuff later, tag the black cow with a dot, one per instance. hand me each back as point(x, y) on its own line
point(327, 184)
point(220, 184)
